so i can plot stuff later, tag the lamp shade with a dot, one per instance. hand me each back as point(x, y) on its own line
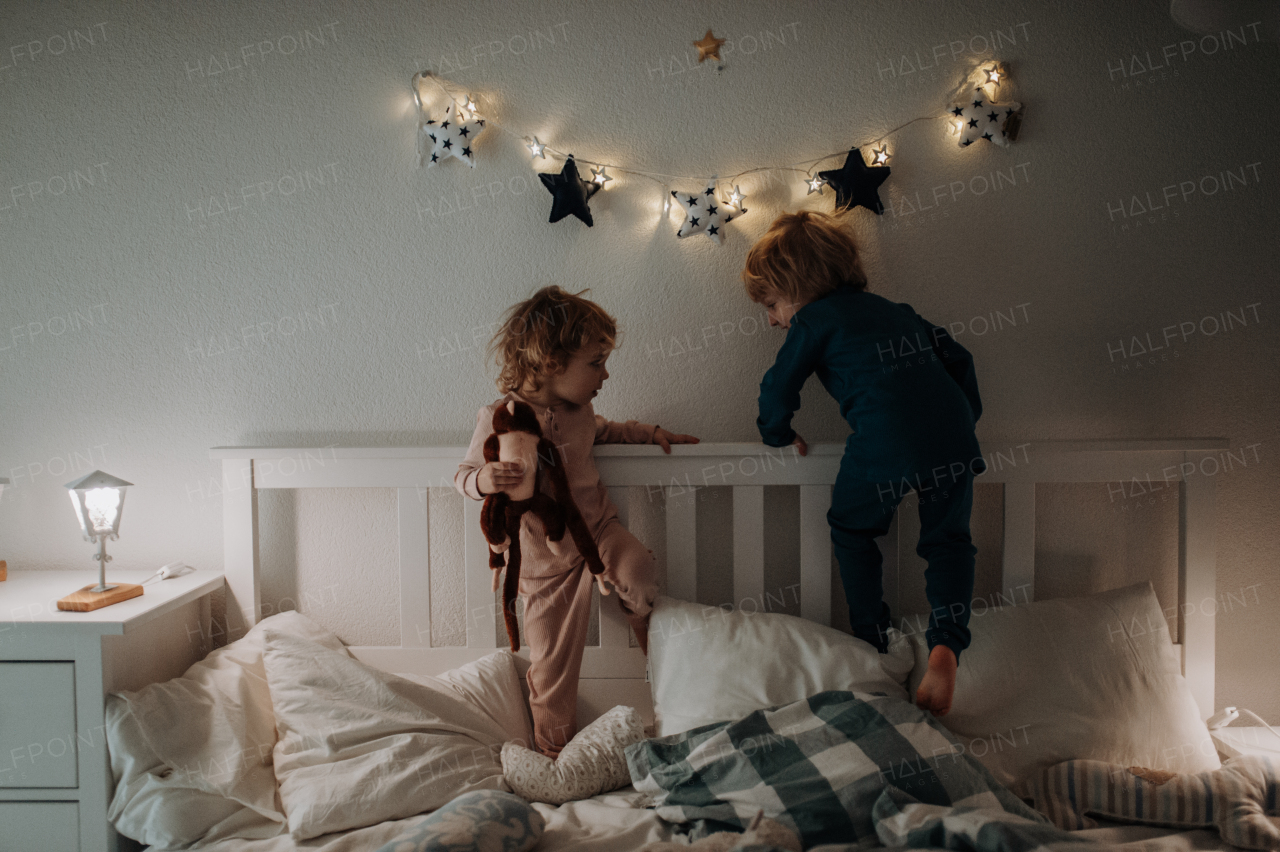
point(98, 499)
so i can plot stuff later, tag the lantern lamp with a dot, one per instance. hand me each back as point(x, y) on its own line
point(98, 499)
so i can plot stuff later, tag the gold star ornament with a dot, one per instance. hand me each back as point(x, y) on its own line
point(709, 47)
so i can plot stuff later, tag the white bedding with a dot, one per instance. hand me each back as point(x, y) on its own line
point(233, 682)
point(611, 822)
point(617, 822)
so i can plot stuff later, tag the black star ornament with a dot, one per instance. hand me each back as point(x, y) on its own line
point(570, 193)
point(856, 183)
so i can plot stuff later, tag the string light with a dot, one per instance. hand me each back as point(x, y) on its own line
point(599, 176)
point(995, 74)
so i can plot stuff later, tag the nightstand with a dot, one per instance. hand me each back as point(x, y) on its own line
point(56, 668)
point(1246, 739)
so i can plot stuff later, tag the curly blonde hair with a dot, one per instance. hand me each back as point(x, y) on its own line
point(803, 257)
point(539, 335)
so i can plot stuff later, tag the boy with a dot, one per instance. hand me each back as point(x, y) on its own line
point(909, 393)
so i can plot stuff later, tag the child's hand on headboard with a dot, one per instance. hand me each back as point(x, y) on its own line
point(666, 439)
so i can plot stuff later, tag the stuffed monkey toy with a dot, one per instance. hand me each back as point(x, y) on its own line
point(517, 436)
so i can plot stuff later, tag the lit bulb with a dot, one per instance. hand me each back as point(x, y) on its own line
point(471, 106)
point(103, 504)
point(735, 197)
point(537, 148)
point(993, 75)
point(416, 85)
point(879, 156)
point(815, 185)
point(598, 177)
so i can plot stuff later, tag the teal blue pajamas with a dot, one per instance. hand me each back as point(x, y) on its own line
point(910, 395)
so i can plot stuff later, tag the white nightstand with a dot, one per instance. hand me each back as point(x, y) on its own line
point(1244, 739)
point(55, 670)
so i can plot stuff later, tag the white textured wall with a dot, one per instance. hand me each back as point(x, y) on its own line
point(139, 325)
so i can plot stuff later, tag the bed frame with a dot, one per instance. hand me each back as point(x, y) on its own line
point(614, 673)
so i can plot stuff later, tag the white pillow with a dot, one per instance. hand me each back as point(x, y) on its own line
point(592, 762)
point(708, 664)
point(359, 746)
point(192, 756)
point(1092, 678)
point(492, 685)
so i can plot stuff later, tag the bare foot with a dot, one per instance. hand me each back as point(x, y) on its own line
point(939, 682)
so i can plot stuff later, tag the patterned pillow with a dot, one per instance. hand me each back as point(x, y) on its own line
point(1237, 799)
point(593, 762)
point(817, 766)
point(479, 821)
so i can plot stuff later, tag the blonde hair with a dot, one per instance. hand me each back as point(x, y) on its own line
point(539, 335)
point(803, 257)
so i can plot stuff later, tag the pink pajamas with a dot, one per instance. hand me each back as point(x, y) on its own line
point(557, 587)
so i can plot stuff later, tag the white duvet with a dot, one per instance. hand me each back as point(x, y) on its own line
point(192, 755)
point(284, 732)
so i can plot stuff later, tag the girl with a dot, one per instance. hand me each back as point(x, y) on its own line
point(551, 352)
point(909, 393)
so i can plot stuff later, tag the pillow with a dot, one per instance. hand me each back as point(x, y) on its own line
point(593, 761)
point(479, 821)
point(359, 746)
point(492, 685)
point(817, 766)
point(1237, 799)
point(711, 665)
point(191, 756)
point(1092, 678)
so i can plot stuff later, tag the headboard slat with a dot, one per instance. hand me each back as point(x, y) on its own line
point(482, 609)
point(682, 543)
point(748, 546)
point(415, 561)
point(815, 553)
point(1197, 584)
point(614, 630)
point(1019, 556)
point(240, 546)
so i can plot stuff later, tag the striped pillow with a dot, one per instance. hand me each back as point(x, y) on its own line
point(1240, 799)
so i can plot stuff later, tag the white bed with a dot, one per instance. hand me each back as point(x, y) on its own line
point(615, 673)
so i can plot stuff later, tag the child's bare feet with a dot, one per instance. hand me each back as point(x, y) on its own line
point(939, 682)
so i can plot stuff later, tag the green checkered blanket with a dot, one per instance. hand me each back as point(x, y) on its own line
point(818, 766)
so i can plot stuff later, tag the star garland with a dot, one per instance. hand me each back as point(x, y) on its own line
point(855, 183)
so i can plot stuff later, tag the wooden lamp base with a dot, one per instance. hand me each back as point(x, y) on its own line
point(85, 600)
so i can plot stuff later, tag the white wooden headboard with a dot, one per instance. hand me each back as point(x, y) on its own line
point(613, 672)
